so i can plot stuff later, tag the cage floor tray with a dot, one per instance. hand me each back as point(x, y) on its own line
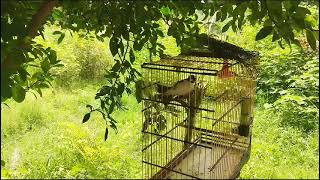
point(220, 162)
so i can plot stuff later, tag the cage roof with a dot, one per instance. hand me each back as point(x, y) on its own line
point(207, 46)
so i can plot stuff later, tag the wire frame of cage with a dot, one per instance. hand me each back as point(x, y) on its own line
point(205, 134)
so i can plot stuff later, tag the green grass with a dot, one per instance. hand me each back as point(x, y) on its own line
point(45, 138)
point(281, 152)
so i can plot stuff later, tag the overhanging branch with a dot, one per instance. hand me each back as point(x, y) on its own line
point(38, 19)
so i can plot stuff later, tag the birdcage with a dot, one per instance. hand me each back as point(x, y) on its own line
point(204, 132)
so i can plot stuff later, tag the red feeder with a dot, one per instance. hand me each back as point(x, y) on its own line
point(225, 71)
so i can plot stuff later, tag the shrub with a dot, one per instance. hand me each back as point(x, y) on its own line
point(92, 58)
point(83, 58)
point(299, 103)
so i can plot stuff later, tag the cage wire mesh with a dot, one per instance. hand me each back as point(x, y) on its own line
point(204, 134)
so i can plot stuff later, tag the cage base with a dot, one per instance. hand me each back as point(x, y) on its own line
point(197, 163)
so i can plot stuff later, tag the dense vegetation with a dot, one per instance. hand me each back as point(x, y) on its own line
point(43, 137)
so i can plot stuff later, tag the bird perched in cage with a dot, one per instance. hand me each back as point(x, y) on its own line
point(225, 71)
point(182, 88)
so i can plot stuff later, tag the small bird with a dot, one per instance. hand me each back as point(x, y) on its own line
point(225, 72)
point(182, 88)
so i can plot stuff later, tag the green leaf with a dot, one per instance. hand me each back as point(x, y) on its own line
point(121, 47)
point(52, 57)
point(160, 33)
point(45, 65)
point(113, 125)
point(311, 39)
point(121, 88)
point(106, 134)
point(58, 65)
point(18, 93)
point(111, 119)
point(111, 108)
point(57, 14)
point(61, 38)
point(113, 45)
point(57, 32)
point(132, 57)
point(39, 91)
point(102, 105)
point(23, 74)
point(264, 32)
point(43, 85)
point(126, 64)
point(275, 9)
point(226, 27)
point(116, 67)
point(3, 163)
point(86, 117)
point(165, 11)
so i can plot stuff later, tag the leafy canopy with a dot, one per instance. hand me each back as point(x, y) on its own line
point(130, 26)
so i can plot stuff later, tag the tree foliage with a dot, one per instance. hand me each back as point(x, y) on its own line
point(130, 26)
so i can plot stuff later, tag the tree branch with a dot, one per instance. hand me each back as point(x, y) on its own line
point(38, 19)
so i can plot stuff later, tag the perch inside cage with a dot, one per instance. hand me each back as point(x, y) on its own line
point(197, 116)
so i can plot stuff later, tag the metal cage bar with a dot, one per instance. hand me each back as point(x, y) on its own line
point(204, 135)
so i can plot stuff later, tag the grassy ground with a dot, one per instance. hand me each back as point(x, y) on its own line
point(44, 138)
point(281, 152)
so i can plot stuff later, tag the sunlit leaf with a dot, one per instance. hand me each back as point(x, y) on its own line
point(165, 11)
point(18, 93)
